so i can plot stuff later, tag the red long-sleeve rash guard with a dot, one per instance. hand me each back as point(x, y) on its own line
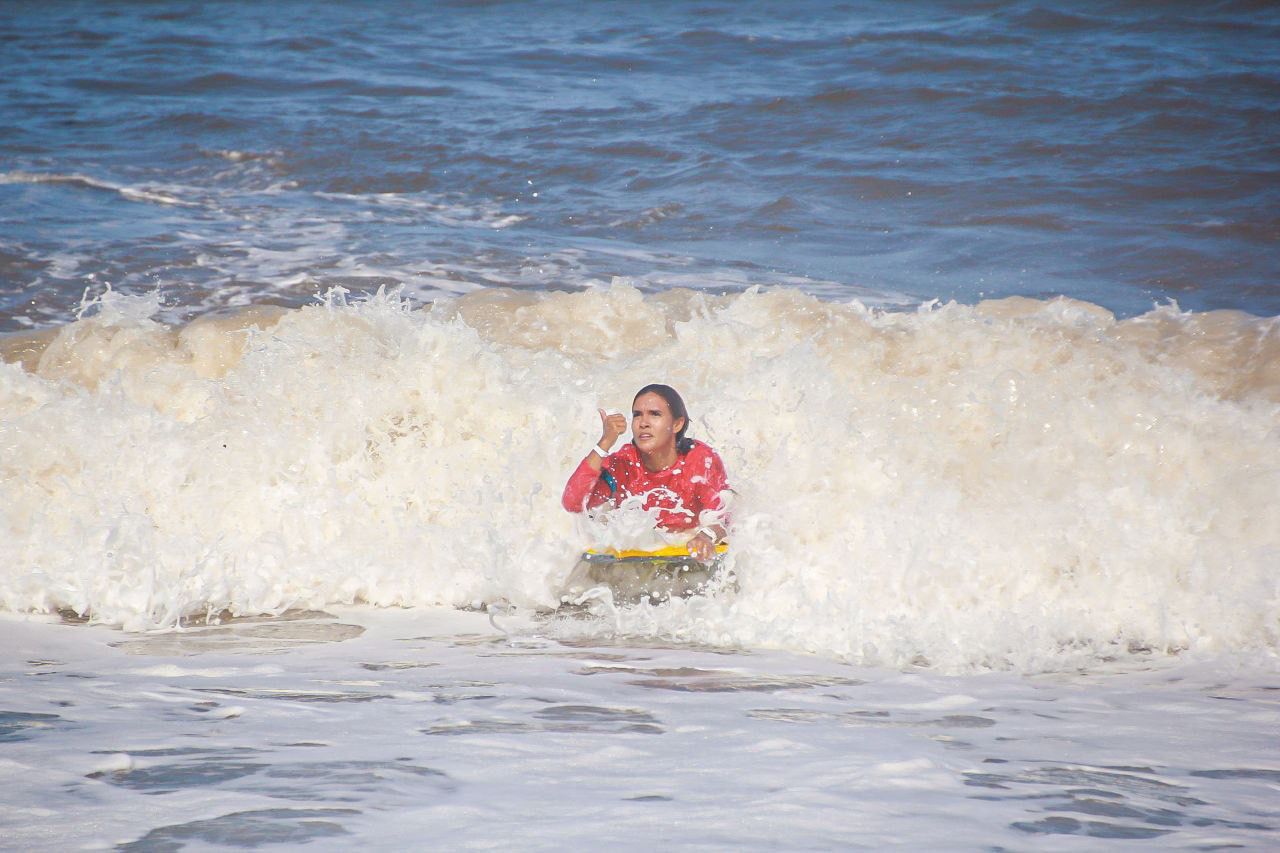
point(681, 492)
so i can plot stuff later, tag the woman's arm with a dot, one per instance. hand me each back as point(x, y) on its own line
point(711, 484)
point(586, 489)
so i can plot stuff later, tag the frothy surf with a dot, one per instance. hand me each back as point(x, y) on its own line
point(1020, 483)
point(132, 193)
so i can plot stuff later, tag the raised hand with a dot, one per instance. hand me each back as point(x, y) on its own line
point(611, 426)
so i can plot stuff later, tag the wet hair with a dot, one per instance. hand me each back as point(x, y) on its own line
point(676, 403)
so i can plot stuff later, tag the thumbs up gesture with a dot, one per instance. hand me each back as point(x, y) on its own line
point(611, 426)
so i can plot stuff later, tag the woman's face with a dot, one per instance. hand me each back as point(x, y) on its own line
point(652, 426)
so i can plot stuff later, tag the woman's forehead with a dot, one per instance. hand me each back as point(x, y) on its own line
point(651, 401)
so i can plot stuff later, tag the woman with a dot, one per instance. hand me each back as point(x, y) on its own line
point(683, 479)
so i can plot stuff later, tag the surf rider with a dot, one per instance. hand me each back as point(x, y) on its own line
point(682, 478)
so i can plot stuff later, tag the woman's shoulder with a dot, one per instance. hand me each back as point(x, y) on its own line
point(701, 450)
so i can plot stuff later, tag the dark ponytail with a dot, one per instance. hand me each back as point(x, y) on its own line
point(676, 403)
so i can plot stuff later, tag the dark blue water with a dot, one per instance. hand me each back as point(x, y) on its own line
point(233, 153)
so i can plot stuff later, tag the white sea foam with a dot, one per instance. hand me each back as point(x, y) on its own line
point(1021, 483)
point(446, 210)
point(232, 155)
point(147, 193)
point(587, 745)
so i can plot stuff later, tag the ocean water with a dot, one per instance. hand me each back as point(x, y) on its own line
point(429, 729)
point(307, 312)
point(1122, 153)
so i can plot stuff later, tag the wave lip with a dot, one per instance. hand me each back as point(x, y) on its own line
point(132, 193)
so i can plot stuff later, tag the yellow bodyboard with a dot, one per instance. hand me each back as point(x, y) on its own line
point(668, 551)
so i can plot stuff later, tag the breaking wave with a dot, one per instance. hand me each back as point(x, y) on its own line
point(1019, 483)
